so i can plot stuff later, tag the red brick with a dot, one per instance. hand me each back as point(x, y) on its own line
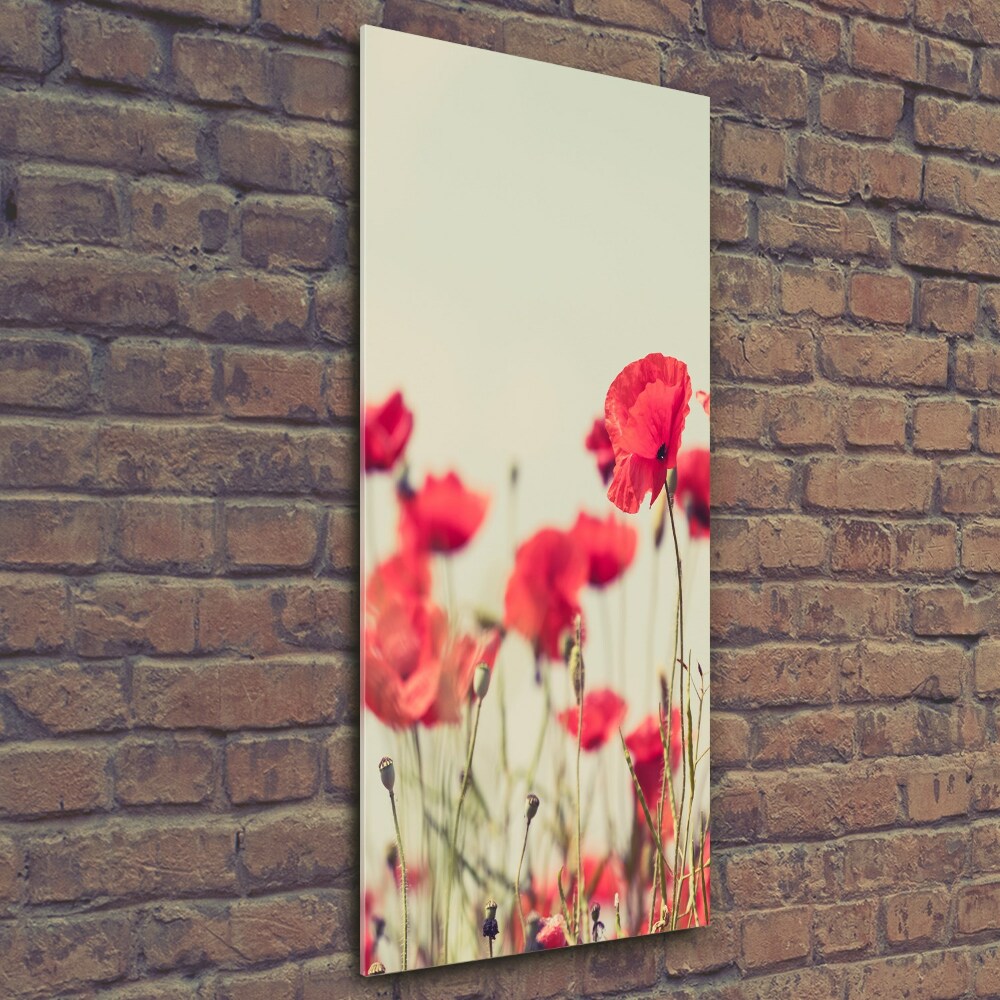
point(988, 668)
point(989, 430)
point(846, 928)
point(948, 66)
point(978, 908)
point(756, 155)
point(891, 174)
point(774, 875)
point(885, 49)
point(180, 218)
point(57, 205)
point(762, 351)
point(133, 860)
point(741, 285)
point(896, 485)
point(68, 697)
point(91, 130)
point(991, 308)
point(116, 615)
point(970, 487)
point(897, 10)
point(957, 125)
point(271, 535)
point(162, 377)
point(272, 770)
point(847, 611)
point(804, 737)
point(989, 74)
point(167, 772)
point(774, 29)
point(733, 548)
point(634, 59)
point(740, 481)
point(942, 425)
point(665, 17)
point(829, 167)
point(730, 739)
point(109, 290)
point(822, 230)
point(307, 158)
point(875, 422)
point(962, 188)
point(806, 421)
point(102, 46)
point(315, 86)
point(340, 387)
point(950, 611)
point(926, 548)
point(44, 371)
point(288, 232)
point(973, 20)
point(812, 289)
point(774, 90)
point(773, 676)
point(943, 974)
point(936, 794)
point(740, 612)
point(35, 532)
point(981, 547)
point(895, 860)
point(919, 917)
point(337, 297)
point(29, 39)
point(49, 781)
point(948, 306)
point(342, 540)
point(223, 70)
point(884, 359)
point(34, 613)
point(160, 533)
point(235, 694)
point(52, 955)
point(271, 984)
point(273, 384)
point(435, 21)
point(881, 298)
point(776, 936)
point(786, 543)
point(985, 786)
point(859, 107)
point(730, 215)
point(341, 753)
point(320, 19)
point(741, 415)
point(297, 847)
point(874, 671)
point(986, 971)
point(241, 307)
point(191, 935)
point(861, 547)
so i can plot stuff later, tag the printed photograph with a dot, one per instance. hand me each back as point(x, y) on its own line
point(534, 507)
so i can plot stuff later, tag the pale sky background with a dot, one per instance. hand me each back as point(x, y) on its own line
point(527, 231)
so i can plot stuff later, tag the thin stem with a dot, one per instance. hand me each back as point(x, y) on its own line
point(579, 827)
point(402, 874)
point(642, 798)
point(517, 886)
point(458, 816)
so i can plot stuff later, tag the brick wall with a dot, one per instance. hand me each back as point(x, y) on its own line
point(178, 678)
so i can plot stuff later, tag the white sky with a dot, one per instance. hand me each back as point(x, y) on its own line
point(527, 231)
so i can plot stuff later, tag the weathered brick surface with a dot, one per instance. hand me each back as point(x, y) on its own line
point(179, 526)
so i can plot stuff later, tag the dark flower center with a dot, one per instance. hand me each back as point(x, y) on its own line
point(662, 453)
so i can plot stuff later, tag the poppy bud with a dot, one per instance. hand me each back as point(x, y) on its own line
point(387, 772)
point(490, 927)
point(376, 969)
point(491, 908)
point(595, 912)
point(530, 806)
point(481, 681)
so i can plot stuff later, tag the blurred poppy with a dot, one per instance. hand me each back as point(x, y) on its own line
point(542, 598)
point(603, 712)
point(609, 545)
point(646, 749)
point(387, 429)
point(705, 399)
point(463, 653)
point(702, 891)
point(599, 443)
point(644, 411)
point(407, 574)
point(552, 933)
point(371, 936)
point(692, 492)
point(441, 516)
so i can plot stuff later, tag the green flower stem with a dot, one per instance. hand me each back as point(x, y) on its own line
point(517, 885)
point(402, 875)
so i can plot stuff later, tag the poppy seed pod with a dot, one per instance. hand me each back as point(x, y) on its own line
point(387, 772)
point(595, 912)
point(376, 969)
point(481, 680)
point(530, 806)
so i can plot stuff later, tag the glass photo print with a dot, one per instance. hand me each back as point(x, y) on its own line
point(534, 506)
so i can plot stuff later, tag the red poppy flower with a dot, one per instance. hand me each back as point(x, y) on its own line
point(646, 750)
point(441, 516)
point(370, 942)
point(599, 443)
point(542, 598)
point(407, 574)
point(692, 492)
point(402, 660)
point(387, 429)
point(609, 544)
point(461, 657)
point(644, 411)
point(603, 712)
point(705, 399)
point(552, 933)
